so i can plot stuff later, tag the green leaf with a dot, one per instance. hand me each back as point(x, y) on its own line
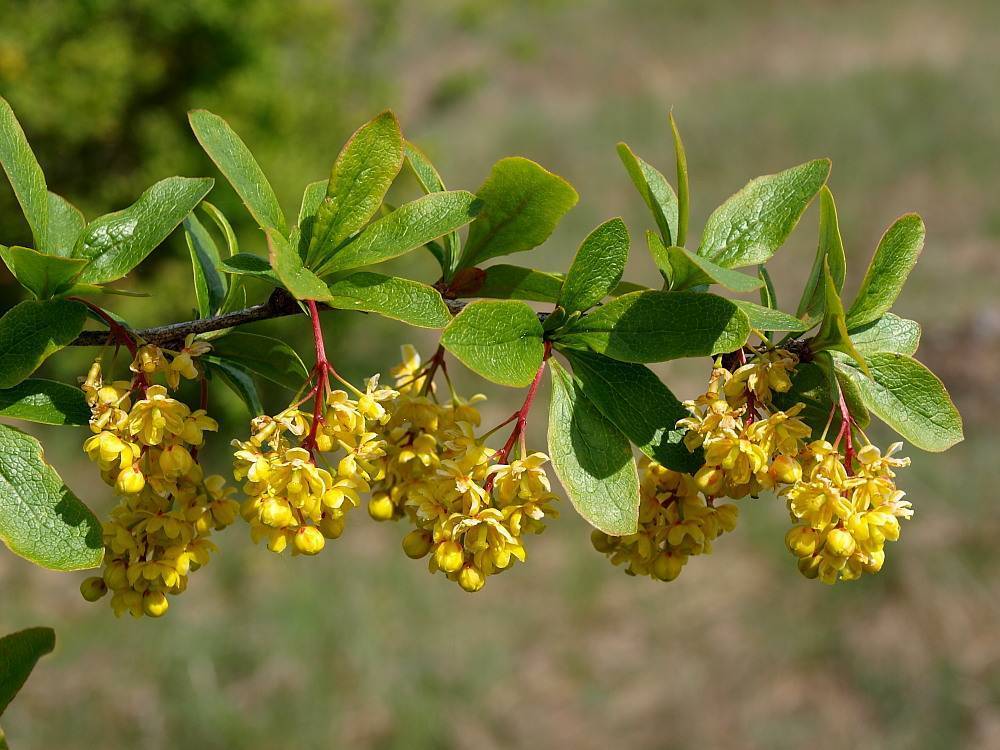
point(765, 319)
point(32, 331)
point(267, 357)
point(238, 165)
point(597, 267)
point(890, 333)
point(592, 458)
point(811, 385)
point(515, 282)
point(768, 297)
point(40, 518)
point(25, 175)
point(656, 192)
point(248, 264)
point(658, 326)
point(833, 334)
point(683, 191)
point(400, 299)
point(894, 258)
point(209, 284)
point(66, 222)
point(19, 653)
point(44, 401)
point(639, 404)
point(431, 182)
point(522, 204)
point(312, 198)
point(116, 243)
point(752, 224)
point(829, 250)
point(295, 277)
point(909, 398)
point(361, 176)
point(239, 380)
point(410, 226)
point(224, 227)
point(42, 275)
point(500, 340)
point(684, 270)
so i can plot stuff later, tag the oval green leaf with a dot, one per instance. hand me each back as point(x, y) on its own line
point(498, 339)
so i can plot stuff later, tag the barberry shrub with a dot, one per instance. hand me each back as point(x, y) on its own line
point(788, 396)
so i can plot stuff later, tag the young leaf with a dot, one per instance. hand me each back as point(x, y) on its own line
point(500, 340)
point(890, 333)
point(42, 275)
point(768, 297)
point(752, 224)
point(431, 182)
point(832, 334)
point(239, 380)
point(66, 222)
point(116, 243)
point(687, 270)
point(592, 458)
point(312, 198)
point(894, 258)
point(248, 264)
point(32, 331)
point(597, 268)
point(25, 175)
point(522, 204)
point(238, 165)
point(224, 227)
point(658, 326)
point(295, 277)
point(683, 191)
point(400, 299)
point(19, 653)
point(267, 357)
point(830, 250)
point(361, 176)
point(656, 192)
point(210, 286)
point(408, 227)
point(40, 518)
point(765, 319)
point(909, 398)
point(639, 404)
point(44, 401)
point(515, 282)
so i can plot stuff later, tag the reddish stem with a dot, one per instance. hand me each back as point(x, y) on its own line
point(322, 373)
point(120, 335)
point(436, 362)
point(846, 426)
point(751, 413)
point(520, 418)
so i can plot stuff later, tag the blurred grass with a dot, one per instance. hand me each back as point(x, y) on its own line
point(360, 647)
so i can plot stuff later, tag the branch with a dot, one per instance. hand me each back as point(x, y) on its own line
point(279, 305)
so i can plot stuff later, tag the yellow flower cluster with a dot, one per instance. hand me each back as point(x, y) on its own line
point(748, 447)
point(843, 520)
point(675, 522)
point(469, 511)
point(145, 443)
point(291, 499)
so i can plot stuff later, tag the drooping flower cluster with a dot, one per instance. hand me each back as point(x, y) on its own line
point(469, 504)
point(748, 446)
point(291, 499)
point(146, 445)
point(845, 508)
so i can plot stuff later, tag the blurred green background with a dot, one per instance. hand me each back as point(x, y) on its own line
point(360, 648)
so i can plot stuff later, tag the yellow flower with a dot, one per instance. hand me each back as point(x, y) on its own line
point(157, 415)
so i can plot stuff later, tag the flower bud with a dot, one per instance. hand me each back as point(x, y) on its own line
point(331, 527)
point(276, 513)
point(417, 543)
point(154, 603)
point(809, 566)
point(380, 507)
point(802, 541)
point(471, 578)
point(175, 461)
point(130, 481)
point(709, 480)
point(449, 556)
point(309, 540)
point(116, 576)
point(840, 543)
point(668, 566)
point(601, 541)
point(875, 561)
point(93, 588)
point(786, 470)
